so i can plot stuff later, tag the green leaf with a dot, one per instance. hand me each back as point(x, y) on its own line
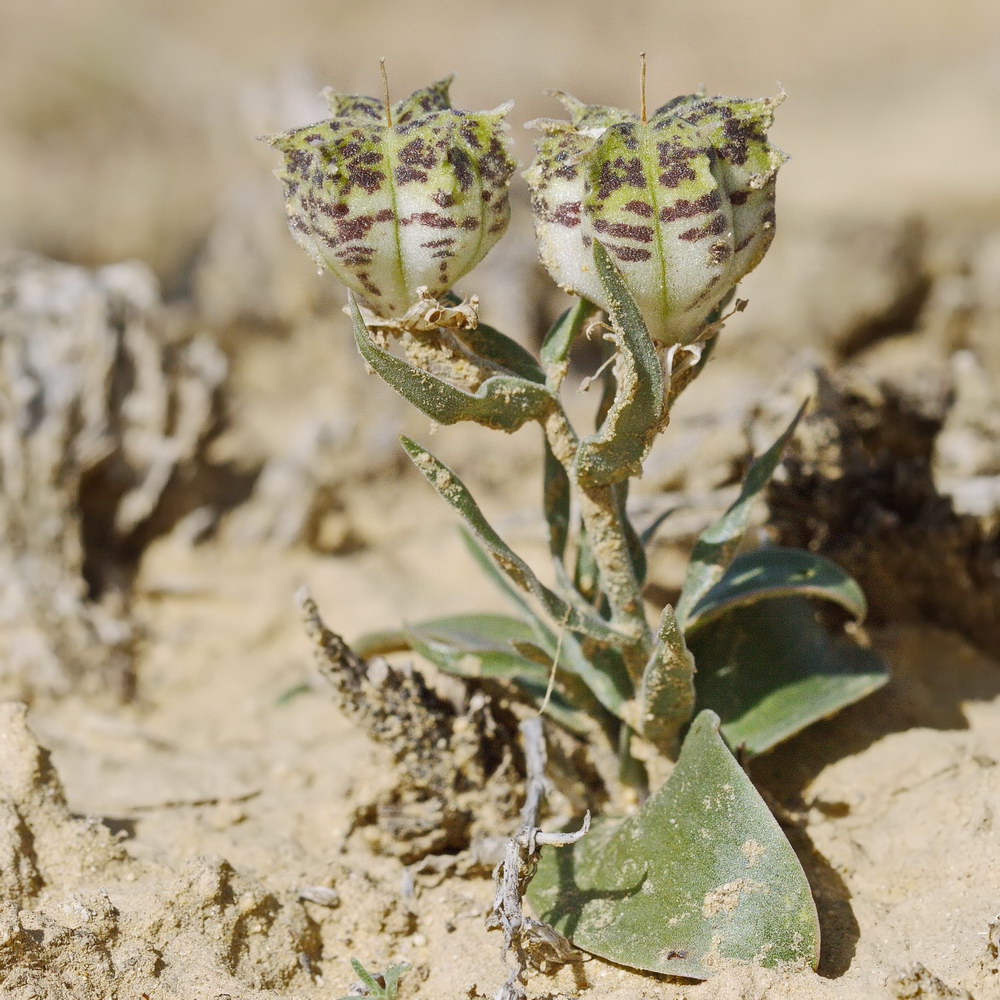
point(666, 691)
point(602, 672)
point(636, 548)
point(648, 533)
point(505, 402)
point(699, 878)
point(556, 505)
point(476, 645)
point(717, 544)
point(772, 668)
point(778, 572)
point(487, 646)
point(474, 631)
point(484, 561)
point(585, 572)
point(562, 334)
point(452, 489)
point(391, 977)
point(366, 977)
point(502, 350)
point(616, 451)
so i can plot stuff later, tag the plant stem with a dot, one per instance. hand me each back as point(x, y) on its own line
point(609, 545)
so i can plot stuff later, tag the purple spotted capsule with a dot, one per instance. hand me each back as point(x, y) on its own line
point(391, 202)
point(683, 202)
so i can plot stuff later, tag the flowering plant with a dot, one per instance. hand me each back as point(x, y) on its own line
point(654, 222)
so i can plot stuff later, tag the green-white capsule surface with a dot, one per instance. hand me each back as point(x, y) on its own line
point(389, 209)
point(684, 202)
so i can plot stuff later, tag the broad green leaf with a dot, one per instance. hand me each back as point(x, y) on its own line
point(617, 449)
point(778, 572)
point(700, 878)
point(717, 544)
point(772, 668)
point(562, 334)
point(452, 489)
point(505, 402)
point(666, 691)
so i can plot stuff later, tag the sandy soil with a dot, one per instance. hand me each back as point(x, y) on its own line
point(200, 839)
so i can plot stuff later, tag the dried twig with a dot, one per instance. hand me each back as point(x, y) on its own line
point(448, 756)
point(514, 873)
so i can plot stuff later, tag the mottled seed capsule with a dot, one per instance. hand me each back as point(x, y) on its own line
point(684, 202)
point(391, 209)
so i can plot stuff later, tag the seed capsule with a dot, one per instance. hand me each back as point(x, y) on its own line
point(390, 209)
point(684, 202)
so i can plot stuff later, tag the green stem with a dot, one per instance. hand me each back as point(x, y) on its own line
point(609, 544)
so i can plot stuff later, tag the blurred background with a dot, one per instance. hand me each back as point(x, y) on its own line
point(127, 135)
point(126, 127)
point(187, 435)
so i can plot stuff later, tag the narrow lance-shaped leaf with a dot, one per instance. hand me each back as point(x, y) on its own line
point(607, 686)
point(585, 572)
point(636, 548)
point(666, 691)
point(718, 543)
point(563, 333)
point(699, 878)
point(609, 696)
point(456, 648)
point(452, 489)
point(371, 983)
point(505, 402)
point(617, 449)
point(778, 572)
point(499, 349)
point(648, 533)
point(556, 505)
